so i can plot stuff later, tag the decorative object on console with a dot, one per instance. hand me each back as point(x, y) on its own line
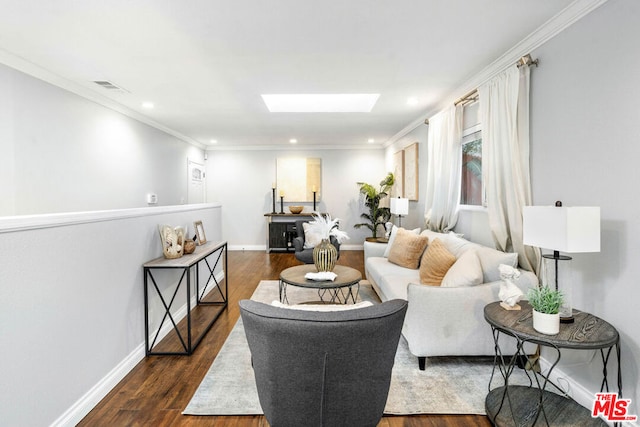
point(546, 305)
point(509, 293)
point(324, 253)
point(189, 246)
point(377, 215)
point(281, 202)
point(172, 240)
point(566, 229)
point(200, 237)
point(296, 209)
point(313, 189)
point(399, 206)
point(273, 197)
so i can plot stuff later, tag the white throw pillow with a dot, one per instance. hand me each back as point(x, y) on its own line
point(323, 307)
point(490, 259)
point(466, 271)
point(311, 239)
point(392, 237)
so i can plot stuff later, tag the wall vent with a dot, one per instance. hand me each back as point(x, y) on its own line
point(109, 85)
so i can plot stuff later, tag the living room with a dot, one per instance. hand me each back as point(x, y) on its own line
point(72, 319)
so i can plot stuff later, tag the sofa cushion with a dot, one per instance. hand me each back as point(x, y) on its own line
point(435, 263)
point(490, 259)
point(392, 238)
point(466, 271)
point(390, 279)
point(407, 248)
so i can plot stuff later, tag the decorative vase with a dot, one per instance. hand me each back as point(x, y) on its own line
point(325, 256)
point(189, 246)
point(548, 324)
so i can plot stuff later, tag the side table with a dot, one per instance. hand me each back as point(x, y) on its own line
point(217, 250)
point(510, 405)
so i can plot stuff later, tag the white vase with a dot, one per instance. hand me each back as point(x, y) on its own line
point(548, 324)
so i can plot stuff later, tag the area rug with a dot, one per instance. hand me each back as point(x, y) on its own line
point(448, 385)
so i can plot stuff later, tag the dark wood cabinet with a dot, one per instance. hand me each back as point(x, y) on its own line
point(281, 229)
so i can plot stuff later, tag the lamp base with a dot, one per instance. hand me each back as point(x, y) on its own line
point(569, 319)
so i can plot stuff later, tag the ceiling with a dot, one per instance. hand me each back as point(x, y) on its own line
point(205, 63)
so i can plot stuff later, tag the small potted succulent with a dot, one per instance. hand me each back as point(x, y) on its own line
point(546, 304)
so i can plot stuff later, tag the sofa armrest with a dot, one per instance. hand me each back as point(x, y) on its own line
point(298, 244)
point(374, 249)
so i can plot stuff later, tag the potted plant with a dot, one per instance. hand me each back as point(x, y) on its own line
point(376, 215)
point(546, 304)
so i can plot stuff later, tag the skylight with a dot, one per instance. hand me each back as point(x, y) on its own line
point(321, 103)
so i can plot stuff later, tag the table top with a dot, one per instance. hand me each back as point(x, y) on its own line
point(185, 260)
point(347, 276)
point(587, 331)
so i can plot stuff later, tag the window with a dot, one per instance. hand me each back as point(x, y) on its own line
point(471, 184)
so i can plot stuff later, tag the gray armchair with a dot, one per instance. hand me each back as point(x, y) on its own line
point(323, 368)
point(306, 255)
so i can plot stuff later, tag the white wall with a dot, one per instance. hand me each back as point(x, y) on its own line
point(63, 153)
point(72, 306)
point(585, 150)
point(241, 180)
point(415, 218)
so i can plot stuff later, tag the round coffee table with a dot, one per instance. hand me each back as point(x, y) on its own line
point(339, 291)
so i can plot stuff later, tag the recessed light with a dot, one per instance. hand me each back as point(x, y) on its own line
point(148, 105)
point(412, 100)
point(371, 140)
point(293, 141)
point(321, 103)
point(213, 141)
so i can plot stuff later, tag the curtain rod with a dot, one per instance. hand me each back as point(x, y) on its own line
point(473, 95)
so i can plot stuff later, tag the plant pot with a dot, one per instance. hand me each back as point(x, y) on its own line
point(548, 324)
point(325, 256)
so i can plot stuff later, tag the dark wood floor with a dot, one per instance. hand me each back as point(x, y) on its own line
point(156, 391)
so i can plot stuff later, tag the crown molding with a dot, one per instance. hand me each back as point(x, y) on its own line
point(29, 68)
point(292, 147)
point(558, 23)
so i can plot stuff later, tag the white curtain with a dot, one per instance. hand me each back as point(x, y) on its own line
point(443, 169)
point(504, 114)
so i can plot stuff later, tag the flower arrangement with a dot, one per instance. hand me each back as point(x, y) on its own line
point(545, 300)
point(327, 227)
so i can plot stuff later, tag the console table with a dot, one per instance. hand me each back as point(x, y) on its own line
point(217, 251)
point(282, 229)
point(510, 405)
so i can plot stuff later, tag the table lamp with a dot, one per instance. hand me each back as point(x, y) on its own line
point(561, 229)
point(399, 206)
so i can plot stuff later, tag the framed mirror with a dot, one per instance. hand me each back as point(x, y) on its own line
point(298, 178)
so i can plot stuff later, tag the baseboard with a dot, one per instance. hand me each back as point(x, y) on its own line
point(90, 399)
point(343, 247)
point(247, 247)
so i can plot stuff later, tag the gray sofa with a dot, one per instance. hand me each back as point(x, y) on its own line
point(317, 368)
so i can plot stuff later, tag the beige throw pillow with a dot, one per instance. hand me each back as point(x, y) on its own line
point(392, 238)
point(435, 263)
point(407, 248)
point(466, 271)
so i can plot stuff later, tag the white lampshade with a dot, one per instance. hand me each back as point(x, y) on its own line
point(399, 206)
point(564, 229)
